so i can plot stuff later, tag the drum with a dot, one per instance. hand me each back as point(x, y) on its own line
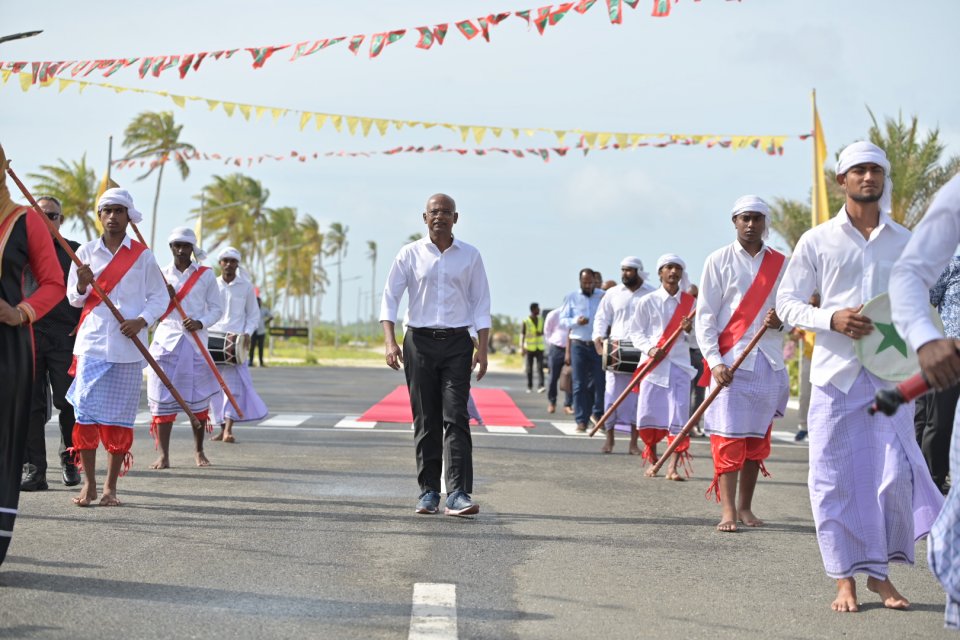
point(620, 356)
point(883, 352)
point(223, 347)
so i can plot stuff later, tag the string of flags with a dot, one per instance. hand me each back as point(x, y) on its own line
point(541, 19)
point(354, 124)
point(543, 153)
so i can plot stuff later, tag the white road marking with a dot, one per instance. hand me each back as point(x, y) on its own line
point(787, 436)
point(285, 420)
point(434, 612)
point(503, 429)
point(143, 417)
point(569, 428)
point(350, 422)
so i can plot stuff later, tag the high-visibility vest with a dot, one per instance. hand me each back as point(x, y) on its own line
point(533, 337)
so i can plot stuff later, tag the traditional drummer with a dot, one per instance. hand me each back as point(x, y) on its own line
point(195, 287)
point(663, 405)
point(612, 323)
point(870, 491)
point(241, 316)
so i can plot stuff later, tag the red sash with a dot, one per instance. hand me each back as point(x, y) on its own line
point(748, 309)
point(682, 311)
point(118, 266)
point(184, 290)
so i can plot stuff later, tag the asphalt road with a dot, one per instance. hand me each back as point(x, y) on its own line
point(308, 531)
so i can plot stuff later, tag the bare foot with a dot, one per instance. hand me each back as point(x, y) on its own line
point(87, 495)
point(650, 473)
point(727, 526)
point(746, 517)
point(109, 500)
point(201, 459)
point(888, 593)
point(676, 477)
point(228, 437)
point(217, 437)
point(846, 596)
point(161, 463)
point(635, 450)
point(608, 445)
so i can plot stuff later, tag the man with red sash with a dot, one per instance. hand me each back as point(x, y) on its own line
point(737, 295)
point(870, 492)
point(663, 405)
point(24, 241)
point(108, 373)
point(615, 315)
point(195, 287)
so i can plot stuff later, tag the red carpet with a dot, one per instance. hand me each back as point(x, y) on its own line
point(495, 407)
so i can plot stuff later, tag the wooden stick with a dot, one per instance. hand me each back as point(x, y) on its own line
point(687, 428)
point(638, 376)
point(106, 300)
point(203, 348)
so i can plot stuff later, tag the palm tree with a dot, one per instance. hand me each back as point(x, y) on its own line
point(413, 237)
point(915, 165)
point(155, 135)
point(74, 184)
point(336, 244)
point(372, 254)
point(238, 216)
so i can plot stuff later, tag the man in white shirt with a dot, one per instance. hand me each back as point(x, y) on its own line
point(663, 403)
point(615, 316)
point(177, 353)
point(556, 338)
point(106, 388)
point(737, 294)
point(447, 293)
point(240, 318)
point(870, 491)
point(931, 248)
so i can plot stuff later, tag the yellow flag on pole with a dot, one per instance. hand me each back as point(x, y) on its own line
point(818, 206)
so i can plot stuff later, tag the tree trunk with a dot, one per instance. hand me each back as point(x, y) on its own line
point(156, 202)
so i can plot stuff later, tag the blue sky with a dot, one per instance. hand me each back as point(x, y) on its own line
point(713, 67)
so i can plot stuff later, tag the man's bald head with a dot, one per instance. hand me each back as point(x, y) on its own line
point(441, 201)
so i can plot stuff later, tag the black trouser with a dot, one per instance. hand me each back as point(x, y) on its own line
point(696, 391)
point(438, 378)
point(16, 389)
point(531, 357)
point(555, 357)
point(54, 355)
point(933, 423)
point(256, 342)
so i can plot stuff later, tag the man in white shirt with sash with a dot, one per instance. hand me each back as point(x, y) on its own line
point(109, 369)
point(447, 294)
point(737, 295)
point(241, 316)
point(870, 491)
point(663, 403)
point(614, 318)
point(933, 244)
point(177, 353)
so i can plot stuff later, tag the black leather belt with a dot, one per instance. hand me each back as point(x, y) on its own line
point(438, 334)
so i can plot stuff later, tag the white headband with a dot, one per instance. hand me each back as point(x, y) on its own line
point(864, 152)
point(229, 253)
point(187, 235)
point(753, 204)
point(672, 258)
point(634, 262)
point(123, 198)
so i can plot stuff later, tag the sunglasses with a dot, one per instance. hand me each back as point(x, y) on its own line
point(54, 216)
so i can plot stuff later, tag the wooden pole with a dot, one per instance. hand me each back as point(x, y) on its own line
point(106, 300)
point(203, 348)
point(638, 376)
point(687, 428)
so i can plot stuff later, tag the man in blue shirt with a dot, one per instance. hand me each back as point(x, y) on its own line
point(577, 314)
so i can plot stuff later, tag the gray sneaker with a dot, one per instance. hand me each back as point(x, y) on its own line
point(429, 503)
point(460, 504)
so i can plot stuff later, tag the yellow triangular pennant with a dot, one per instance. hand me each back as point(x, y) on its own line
point(496, 131)
point(603, 139)
point(304, 119)
point(260, 111)
point(621, 139)
point(245, 110)
point(321, 118)
point(213, 104)
point(560, 135)
point(590, 137)
point(26, 81)
point(179, 101)
point(365, 124)
point(229, 107)
point(478, 133)
point(382, 125)
point(276, 113)
point(464, 132)
point(352, 122)
point(337, 122)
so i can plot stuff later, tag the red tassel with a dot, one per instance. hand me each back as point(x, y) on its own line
point(714, 488)
point(73, 454)
point(763, 469)
point(155, 433)
point(127, 463)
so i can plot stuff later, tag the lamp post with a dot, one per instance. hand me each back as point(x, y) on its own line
point(17, 36)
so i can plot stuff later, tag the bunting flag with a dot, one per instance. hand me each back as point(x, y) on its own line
point(772, 144)
point(819, 209)
point(543, 153)
point(544, 17)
